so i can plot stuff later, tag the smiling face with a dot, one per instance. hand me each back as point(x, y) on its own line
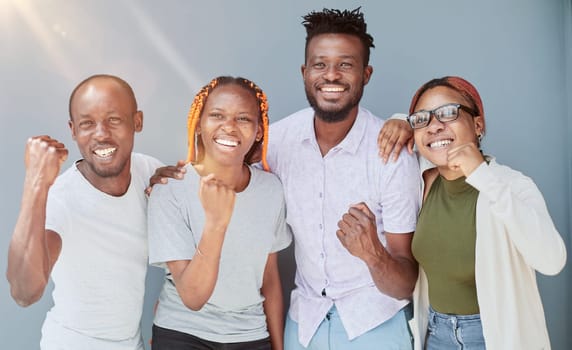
point(435, 140)
point(229, 125)
point(104, 119)
point(335, 75)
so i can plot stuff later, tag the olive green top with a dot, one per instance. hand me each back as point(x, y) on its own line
point(444, 246)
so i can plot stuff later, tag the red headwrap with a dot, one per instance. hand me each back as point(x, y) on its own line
point(466, 89)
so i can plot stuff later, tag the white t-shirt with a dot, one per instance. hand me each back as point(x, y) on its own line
point(100, 274)
point(234, 312)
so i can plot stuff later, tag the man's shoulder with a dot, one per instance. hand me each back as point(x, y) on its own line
point(144, 165)
point(267, 179)
point(143, 159)
point(372, 120)
point(65, 179)
point(292, 120)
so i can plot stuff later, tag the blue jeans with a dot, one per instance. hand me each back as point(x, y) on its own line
point(393, 334)
point(454, 332)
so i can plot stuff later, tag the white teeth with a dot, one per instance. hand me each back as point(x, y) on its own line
point(440, 143)
point(224, 142)
point(332, 89)
point(106, 152)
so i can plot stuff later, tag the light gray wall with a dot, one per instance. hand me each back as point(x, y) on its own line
point(568, 93)
point(517, 52)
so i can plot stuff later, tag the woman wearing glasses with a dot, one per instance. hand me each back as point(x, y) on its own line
point(482, 232)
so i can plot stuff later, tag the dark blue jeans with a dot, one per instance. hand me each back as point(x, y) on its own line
point(168, 339)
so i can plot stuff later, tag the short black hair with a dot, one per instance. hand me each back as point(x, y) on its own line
point(86, 81)
point(332, 21)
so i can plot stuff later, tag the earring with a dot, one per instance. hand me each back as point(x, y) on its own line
point(480, 137)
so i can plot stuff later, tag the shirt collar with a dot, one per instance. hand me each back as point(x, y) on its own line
point(352, 140)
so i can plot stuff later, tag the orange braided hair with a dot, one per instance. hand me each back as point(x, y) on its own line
point(196, 110)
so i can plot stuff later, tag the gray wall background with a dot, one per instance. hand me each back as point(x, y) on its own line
point(517, 52)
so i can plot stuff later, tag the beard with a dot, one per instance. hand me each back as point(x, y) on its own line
point(107, 171)
point(337, 113)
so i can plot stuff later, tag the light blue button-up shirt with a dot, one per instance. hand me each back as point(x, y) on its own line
point(318, 191)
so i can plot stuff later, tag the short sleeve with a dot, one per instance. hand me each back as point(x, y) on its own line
point(170, 234)
point(283, 233)
point(400, 195)
point(57, 214)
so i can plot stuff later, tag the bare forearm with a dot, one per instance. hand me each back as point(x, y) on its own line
point(196, 281)
point(33, 250)
point(28, 255)
point(273, 303)
point(394, 276)
point(196, 284)
point(392, 267)
point(274, 309)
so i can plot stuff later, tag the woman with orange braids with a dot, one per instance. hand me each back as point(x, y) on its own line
point(217, 231)
point(483, 232)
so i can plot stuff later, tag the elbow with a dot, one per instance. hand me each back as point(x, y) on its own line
point(558, 265)
point(192, 297)
point(554, 265)
point(25, 302)
point(406, 295)
point(403, 293)
point(25, 299)
point(25, 296)
point(406, 292)
point(193, 304)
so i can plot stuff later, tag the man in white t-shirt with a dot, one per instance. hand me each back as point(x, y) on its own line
point(87, 227)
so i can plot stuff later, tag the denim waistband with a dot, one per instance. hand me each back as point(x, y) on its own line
point(436, 314)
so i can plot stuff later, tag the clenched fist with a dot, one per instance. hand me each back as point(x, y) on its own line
point(358, 231)
point(465, 157)
point(43, 159)
point(217, 200)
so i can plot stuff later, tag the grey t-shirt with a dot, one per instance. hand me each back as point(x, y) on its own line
point(234, 312)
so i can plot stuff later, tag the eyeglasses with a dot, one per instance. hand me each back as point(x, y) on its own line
point(444, 114)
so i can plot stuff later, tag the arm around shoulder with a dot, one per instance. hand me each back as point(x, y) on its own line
point(393, 136)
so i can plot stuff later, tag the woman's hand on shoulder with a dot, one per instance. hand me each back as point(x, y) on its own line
point(393, 136)
point(164, 173)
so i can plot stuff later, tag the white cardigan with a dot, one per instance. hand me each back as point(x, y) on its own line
point(515, 238)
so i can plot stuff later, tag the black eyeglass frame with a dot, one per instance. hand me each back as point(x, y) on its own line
point(432, 114)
